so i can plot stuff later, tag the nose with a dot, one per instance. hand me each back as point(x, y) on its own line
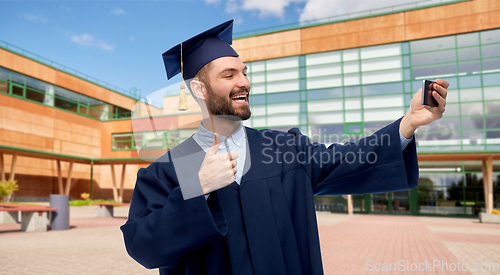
point(244, 82)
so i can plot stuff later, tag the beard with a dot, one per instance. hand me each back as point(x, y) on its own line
point(223, 106)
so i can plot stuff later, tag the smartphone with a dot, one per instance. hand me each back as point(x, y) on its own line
point(427, 98)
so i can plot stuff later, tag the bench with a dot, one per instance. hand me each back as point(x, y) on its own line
point(105, 209)
point(34, 218)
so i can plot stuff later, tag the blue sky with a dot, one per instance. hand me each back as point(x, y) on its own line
point(121, 42)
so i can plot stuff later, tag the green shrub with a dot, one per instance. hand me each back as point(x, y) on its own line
point(86, 202)
point(7, 189)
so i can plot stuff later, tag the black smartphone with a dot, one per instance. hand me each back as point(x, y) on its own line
point(427, 98)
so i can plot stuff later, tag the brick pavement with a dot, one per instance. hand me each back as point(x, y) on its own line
point(349, 244)
point(95, 246)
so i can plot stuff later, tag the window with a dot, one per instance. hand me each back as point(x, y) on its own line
point(468, 53)
point(273, 109)
point(323, 58)
point(434, 71)
point(469, 39)
point(324, 82)
point(38, 91)
point(4, 74)
point(385, 88)
point(283, 97)
point(435, 57)
point(282, 86)
point(282, 63)
point(122, 141)
point(121, 112)
point(492, 36)
point(4, 87)
point(324, 93)
point(432, 44)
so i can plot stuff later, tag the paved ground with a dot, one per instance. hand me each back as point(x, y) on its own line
point(350, 245)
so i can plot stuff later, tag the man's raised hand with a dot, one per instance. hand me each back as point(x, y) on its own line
point(418, 115)
point(217, 171)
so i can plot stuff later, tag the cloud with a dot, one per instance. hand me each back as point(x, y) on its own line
point(267, 8)
point(105, 46)
point(232, 6)
point(132, 38)
point(312, 9)
point(66, 8)
point(238, 19)
point(88, 40)
point(118, 11)
point(34, 18)
point(83, 40)
point(315, 9)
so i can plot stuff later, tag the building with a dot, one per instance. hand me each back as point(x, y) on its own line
point(335, 79)
point(350, 77)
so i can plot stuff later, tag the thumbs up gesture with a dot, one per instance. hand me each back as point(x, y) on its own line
point(217, 171)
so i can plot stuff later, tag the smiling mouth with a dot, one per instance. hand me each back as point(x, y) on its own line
point(241, 98)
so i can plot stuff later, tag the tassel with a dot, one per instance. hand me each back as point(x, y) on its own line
point(182, 99)
point(182, 96)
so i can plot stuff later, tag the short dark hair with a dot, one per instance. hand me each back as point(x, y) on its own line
point(202, 76)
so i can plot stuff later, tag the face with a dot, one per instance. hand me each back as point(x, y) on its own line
point(228, 89)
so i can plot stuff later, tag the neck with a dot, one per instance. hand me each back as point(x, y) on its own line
point(224, 127)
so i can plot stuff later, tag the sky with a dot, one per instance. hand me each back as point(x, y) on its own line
point(121, 42)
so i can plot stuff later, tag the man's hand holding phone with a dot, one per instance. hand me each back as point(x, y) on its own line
point(422, 114)
point(427, 93)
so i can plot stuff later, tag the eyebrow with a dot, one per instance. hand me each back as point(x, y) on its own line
point(232, 70)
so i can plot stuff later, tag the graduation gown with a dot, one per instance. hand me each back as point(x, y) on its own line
point(267, 224)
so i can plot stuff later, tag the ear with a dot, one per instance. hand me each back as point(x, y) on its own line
point(198, 88)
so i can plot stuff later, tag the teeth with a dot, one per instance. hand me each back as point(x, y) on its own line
point(239, 96)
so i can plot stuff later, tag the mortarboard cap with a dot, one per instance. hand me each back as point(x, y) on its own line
point(200, 50)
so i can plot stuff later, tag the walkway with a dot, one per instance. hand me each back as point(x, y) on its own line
point(95, 246)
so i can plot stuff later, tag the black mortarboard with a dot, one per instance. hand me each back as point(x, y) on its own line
point(200, 50)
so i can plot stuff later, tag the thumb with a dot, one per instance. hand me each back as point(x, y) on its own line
point(215, 146)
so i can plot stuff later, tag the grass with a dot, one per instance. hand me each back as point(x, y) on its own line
point(20, 203)
point(86, 202)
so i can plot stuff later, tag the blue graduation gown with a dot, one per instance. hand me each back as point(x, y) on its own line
point(267, 224)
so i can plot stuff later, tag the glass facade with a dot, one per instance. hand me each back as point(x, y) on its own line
point(31, 89)
point(164, 139)
point(340, 95)
point(357, 91)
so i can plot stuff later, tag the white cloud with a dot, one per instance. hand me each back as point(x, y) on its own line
point(268, 8)
point(312, 9)
point(118, 11)
point(232, 6)
point(83, 40)
point(88, 40)
point(238, 19)
point(315, 9)
point(264, 8)
point(34, 18)
point(105, 46)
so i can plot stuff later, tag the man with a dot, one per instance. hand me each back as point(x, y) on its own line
point(235, 200)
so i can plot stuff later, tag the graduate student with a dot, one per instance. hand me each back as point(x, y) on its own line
point(236, 200)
